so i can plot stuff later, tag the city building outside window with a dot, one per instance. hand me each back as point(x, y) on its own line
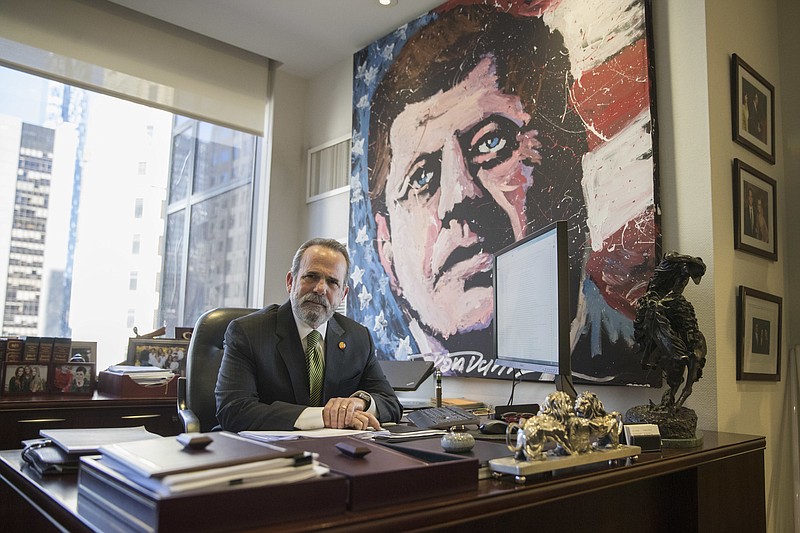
point(80, 173)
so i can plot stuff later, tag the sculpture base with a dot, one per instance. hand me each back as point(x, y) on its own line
point(682, 424)
point(694, 442)
point(552, 463)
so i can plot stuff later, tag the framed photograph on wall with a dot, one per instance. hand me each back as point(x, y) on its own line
point(758, 338)
point(755, 217)
point(753, 110)
point(160, 353)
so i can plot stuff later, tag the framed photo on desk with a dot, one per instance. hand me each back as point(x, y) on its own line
point(169, 354)
point(83, 350)
point(73, 378)
point(25, 379)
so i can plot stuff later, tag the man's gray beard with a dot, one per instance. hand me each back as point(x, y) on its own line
point(309, 316)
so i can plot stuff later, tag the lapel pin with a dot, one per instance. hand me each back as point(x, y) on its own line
point(342, 345)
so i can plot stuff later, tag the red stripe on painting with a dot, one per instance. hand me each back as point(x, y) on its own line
point(611, 95)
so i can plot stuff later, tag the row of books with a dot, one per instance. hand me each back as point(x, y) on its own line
point(35, 349)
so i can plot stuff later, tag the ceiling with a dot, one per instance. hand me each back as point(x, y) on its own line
point(306, 36)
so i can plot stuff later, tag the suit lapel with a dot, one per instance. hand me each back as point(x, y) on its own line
point(290, 349)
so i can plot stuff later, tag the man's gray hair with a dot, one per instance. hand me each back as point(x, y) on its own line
point(331, 244)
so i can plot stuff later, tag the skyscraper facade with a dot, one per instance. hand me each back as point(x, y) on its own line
point(28, 210)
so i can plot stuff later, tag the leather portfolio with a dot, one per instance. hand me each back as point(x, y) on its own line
point(123, 386)
point(166, 456)
point(387, 476)
point(111, 502)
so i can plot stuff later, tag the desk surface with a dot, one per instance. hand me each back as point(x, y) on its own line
point(57, 496)
point(55, 401)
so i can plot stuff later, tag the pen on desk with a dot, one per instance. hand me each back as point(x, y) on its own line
point(438, 388)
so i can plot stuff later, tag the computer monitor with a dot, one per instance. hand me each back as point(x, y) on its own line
point(531, 305)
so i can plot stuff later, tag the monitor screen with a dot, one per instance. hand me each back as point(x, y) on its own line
point(531, 305)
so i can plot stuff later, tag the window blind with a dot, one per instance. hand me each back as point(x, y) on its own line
point(111, 49)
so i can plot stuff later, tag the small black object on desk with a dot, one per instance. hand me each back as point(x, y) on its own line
point(524, 408)
point(493, 427)
point(353, 451)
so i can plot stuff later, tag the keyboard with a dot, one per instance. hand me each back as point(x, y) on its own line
point(441, 417)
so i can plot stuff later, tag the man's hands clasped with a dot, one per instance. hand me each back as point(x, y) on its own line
point(341, 413)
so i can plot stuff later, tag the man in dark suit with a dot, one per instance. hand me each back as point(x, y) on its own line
point(266, 378)
point(749, 212)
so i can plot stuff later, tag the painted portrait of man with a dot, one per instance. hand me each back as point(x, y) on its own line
point(467, 137)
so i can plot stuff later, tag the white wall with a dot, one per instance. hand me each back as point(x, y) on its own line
point(287, 214)
point(693, 43)
point(330, 118)
point(788, 16)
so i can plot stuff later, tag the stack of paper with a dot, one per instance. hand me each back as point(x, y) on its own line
point(166, 467)
point(404, 432)
point(143, 375)
point(272, 436)
point(89, 440)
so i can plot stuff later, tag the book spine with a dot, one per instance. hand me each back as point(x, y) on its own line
point(45, 350)
point(14, 350)
point(61, 349)
point(30, 350)
point(3, 346)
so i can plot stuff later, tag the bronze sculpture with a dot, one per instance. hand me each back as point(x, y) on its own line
point(668, 336)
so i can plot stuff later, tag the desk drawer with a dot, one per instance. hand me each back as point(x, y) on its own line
point(22, 424)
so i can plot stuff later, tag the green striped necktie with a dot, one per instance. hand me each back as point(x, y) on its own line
point(315, 364)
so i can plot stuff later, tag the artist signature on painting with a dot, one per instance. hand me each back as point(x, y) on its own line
point(468, 362)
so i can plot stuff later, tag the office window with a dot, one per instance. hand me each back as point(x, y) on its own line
point(138, 208)
point(211, 180)
point(328, 169)
point(80, 256)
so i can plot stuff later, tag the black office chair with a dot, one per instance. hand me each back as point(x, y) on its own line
point(197, 406)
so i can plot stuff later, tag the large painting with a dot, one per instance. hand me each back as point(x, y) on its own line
point(478, 123)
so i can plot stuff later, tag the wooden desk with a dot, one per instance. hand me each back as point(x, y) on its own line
point(22, 418)
point(718, 487)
